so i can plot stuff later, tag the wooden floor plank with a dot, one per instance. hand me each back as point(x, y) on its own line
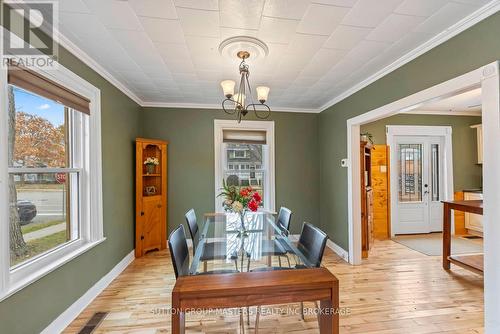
point(395, 290)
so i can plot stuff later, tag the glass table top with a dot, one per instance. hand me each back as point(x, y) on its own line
point(226, 245)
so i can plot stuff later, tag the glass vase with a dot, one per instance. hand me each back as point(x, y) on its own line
point(243, 229)
point(150, 169)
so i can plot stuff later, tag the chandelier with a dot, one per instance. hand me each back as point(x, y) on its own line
point(237, 103)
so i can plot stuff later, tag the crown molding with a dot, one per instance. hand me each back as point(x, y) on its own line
point(180, 105)
point(218, 107)
point(467, 22)
point(462, 25)
point(447, 113)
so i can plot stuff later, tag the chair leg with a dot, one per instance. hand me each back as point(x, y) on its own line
point(236, 264)
point(302, 310)
point(288, 259)
point(279, 260)
point(317, 310)
point(248, 315)
point(205, 266)
point(257, 318)
point(248, 264)
point(242, 322)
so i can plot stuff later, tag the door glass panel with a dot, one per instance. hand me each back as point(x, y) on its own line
point(410, 172)
point(435, 171)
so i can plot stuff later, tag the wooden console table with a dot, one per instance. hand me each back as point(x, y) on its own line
point(208, 292)
point(473, 262)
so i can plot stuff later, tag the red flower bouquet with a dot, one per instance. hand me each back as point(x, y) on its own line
point(240, 199)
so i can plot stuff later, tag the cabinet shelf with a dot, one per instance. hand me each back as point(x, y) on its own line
point(150, 175)
point(151, 197)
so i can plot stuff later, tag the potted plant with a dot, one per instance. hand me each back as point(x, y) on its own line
point(240, 200)
point(151, 163)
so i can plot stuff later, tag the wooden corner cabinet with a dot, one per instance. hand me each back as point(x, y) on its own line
point(366, 197)
point(150, 196)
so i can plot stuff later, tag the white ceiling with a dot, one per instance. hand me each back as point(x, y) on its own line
point(166, 51)
point(466, 103)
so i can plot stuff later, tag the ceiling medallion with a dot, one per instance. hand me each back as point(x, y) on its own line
point(244, 47)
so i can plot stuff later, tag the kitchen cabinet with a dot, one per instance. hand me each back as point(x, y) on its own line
point(479, 136)
point(473, 222)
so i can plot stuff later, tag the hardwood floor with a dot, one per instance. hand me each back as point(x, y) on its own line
point(396, 290)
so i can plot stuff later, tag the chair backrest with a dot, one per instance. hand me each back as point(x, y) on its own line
point(284, 218)
point(312, 243)
point(179, 251)
point(193, 227)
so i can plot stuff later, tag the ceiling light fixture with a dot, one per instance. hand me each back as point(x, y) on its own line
point(236, 103)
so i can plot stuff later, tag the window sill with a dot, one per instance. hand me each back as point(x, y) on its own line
point(36, 275)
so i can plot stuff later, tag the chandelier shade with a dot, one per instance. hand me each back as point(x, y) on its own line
point(228, 88)
point(262, 93)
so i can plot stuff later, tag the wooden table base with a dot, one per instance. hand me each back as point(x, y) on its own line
point(209, 292)
point(473, 262)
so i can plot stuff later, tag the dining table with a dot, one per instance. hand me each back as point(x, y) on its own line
point(249, 273)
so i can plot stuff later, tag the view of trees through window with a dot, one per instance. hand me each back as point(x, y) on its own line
point(38, 200)
point(245, 165)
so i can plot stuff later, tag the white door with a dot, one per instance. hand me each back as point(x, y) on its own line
point(417, 183)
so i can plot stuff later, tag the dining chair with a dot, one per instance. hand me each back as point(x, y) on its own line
point(312, 243)
point(212, 250)
point(179, 253)
point(278, 247)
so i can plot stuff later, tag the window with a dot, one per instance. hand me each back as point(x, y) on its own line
point(238, 152)
point(242, 176)
point(43, 206)
point(51, 142)
point(244, 156)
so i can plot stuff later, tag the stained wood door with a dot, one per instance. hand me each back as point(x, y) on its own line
point(151, 223)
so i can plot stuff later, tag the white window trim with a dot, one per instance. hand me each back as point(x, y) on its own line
point(92, 218)
point(268, 127)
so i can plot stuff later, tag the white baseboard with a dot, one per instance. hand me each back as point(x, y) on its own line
point(330, 244)
point(338, 250)
point(65, 318)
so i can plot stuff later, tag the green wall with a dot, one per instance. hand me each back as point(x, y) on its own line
point(475, 47)
point(190, 133)
point(36, 306)
point(467, 174)
point(309, 178)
